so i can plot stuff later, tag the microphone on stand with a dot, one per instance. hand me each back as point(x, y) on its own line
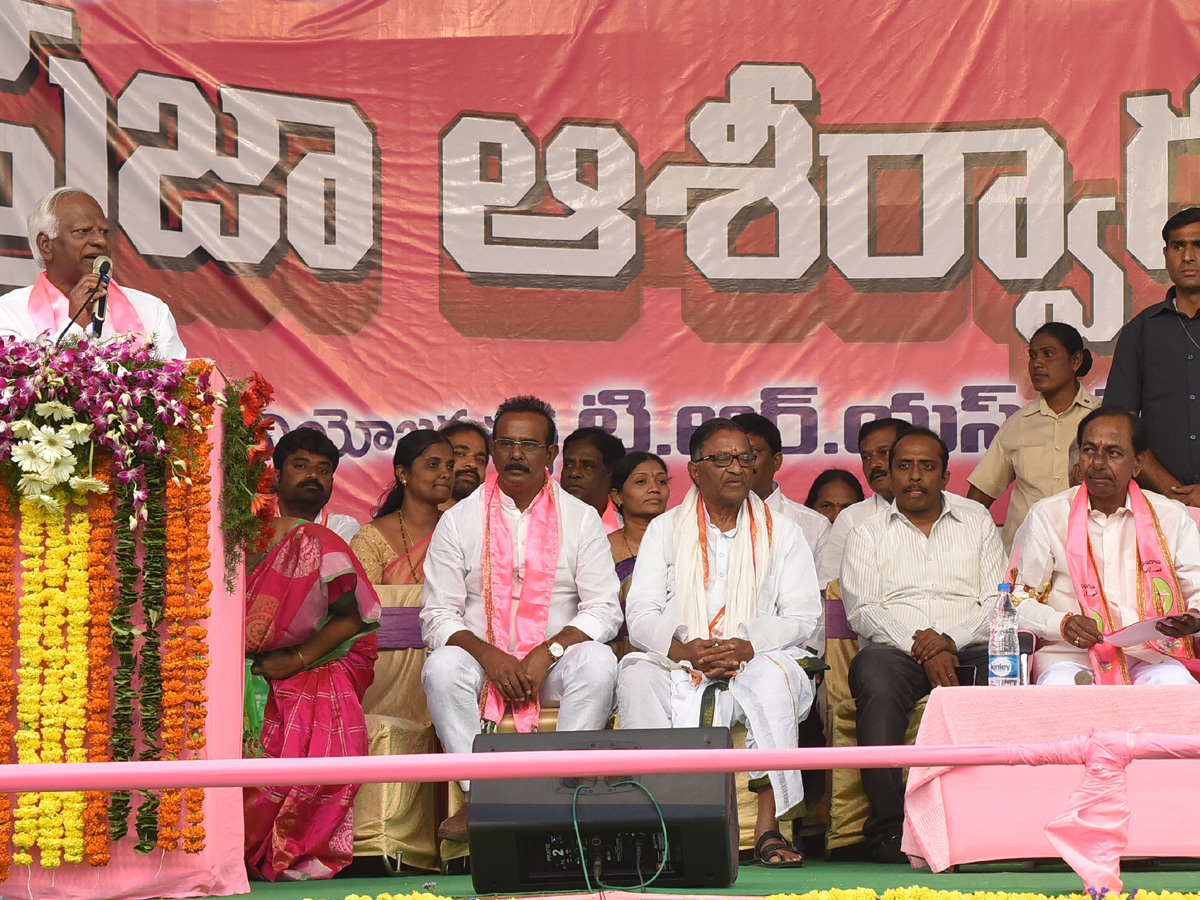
point(102, 266)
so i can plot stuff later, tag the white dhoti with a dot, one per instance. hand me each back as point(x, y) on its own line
point(771, 697)
point(580, 685)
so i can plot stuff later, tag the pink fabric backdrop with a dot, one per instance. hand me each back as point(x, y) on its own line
point(218, 870)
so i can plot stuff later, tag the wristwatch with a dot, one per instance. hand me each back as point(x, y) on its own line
point(556, 651)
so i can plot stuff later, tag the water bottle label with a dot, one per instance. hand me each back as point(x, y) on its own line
point(1002, 666)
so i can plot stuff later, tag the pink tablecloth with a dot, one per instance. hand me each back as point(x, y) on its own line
point(218, 870)
point(980, 813)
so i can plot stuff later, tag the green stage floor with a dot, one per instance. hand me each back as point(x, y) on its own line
point(1047, 878)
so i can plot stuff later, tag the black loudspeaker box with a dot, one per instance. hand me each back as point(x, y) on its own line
point(522, 831)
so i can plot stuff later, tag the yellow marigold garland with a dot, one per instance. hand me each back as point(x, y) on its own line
point(196, 635)
point(54, 663)
point(8, 615)
point(99, 702)
point(29, 686)
point(75, 678)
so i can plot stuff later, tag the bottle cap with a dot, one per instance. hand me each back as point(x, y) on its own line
point(1005, 586)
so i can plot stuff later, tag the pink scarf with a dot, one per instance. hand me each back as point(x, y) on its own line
point(51, 310)
point(533, 610)
point(1156, 581)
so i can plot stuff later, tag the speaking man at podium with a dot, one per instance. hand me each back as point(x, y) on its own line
point(75, 293)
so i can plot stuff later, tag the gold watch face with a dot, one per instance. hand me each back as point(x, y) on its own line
point(556, 650)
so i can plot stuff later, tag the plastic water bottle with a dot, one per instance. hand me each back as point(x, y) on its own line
point(1003, 651)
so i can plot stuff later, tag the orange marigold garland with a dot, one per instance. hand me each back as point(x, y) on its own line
point(99, 702)
point(198, 611)
point(8, 615)
point(175, 648)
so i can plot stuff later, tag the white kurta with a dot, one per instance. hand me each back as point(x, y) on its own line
point(584, 595)
point(1040, 553)
point(772, 695)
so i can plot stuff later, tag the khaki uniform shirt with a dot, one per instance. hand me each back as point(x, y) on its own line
point(1032, 447)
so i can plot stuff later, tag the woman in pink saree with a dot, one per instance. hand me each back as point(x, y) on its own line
point(310, 614)
point(392, 546)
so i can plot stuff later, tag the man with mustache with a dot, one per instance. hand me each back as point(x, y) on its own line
point(589, 455)
point(520, 596)
point(469, 440)
point(874, 443)
point(1156, 367)
point(68, 232)
point(723, 598)
point(310, 647)
point(1107, 554)
point(919, 581)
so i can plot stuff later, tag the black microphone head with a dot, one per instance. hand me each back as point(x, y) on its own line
point(102, 266)
point(1025, 642)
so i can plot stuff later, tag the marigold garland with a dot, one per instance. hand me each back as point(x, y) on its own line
point(28, 737)
point(54, 665)
point(8, 615)
point(103, 586)
point(75, 678)
point(174, 663)
point(196, 643)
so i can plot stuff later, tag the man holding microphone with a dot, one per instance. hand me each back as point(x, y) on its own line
point(68, 234)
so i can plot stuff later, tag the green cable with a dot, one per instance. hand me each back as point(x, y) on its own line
point(579, 839)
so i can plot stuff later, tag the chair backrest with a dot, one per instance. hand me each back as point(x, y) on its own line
point(837, 627)
point(400, 628)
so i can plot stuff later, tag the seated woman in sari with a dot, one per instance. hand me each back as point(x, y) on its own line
point(392, 546)
point(310, 614)
point(640, 492)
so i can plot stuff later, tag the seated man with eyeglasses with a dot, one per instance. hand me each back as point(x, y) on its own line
point(723, 597)
point(520, 596)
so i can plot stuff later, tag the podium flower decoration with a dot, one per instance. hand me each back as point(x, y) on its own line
point(58, 405)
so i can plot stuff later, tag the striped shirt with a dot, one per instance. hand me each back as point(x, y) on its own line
point(896, 581)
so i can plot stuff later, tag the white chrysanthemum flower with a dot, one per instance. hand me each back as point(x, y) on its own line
point(79, 432)
point(60, 471)
point(47, 502)
point(88, 484)
point(25, 454)
point(54, 409)
point(32, 485)
point(23, 429)
point(52, 445)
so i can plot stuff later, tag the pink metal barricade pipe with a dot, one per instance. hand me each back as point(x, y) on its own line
point(1090, 834)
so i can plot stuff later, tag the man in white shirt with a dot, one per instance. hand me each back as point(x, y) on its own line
point(919, 581)
point(723, 597)
point(875, 440)
point(67, 233)
point(1096, 552)
point(520, 596)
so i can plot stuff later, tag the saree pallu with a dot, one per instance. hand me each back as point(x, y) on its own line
point(307, 831)
point(408, 568)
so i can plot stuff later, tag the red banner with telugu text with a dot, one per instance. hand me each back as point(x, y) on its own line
point(402, 212)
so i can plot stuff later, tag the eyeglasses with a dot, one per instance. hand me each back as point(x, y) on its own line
point(725, 460)
point(508, 445)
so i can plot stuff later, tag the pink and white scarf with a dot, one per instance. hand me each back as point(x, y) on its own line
point(533, 610)
point(50, 310)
